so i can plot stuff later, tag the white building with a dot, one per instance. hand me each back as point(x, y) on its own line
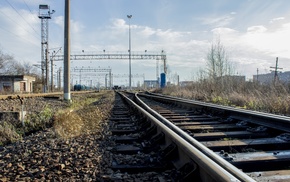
point(151, 84)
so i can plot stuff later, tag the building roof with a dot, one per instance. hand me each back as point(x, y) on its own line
point(22, 77)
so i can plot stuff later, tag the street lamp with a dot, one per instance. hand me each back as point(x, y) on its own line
point(129, 17)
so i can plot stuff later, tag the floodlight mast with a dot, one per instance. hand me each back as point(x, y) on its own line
point(44, 15)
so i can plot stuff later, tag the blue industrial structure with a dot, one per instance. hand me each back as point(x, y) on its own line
point(163, 80)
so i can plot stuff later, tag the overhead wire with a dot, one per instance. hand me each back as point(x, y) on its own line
point(29, 9)
point(19, 36)
point(11, 52)
point(17, 23)
point(35, 33)
point(21, 26)
point(49, 40)
point(22, 17)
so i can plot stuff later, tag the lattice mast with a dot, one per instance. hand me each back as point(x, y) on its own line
point(44, 15)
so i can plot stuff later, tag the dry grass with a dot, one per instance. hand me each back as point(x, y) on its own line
point(85, 117)
point(68, 124)
point(8, 133)
point(269, 98)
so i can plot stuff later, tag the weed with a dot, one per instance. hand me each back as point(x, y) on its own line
point(68, 124)
point(39, 121)
point(84, 116)
point(8, 133)
point(266, 98)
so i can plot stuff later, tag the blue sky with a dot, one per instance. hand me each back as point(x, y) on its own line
point(254, 33)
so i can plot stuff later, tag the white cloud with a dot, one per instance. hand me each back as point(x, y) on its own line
point(31, 3)
point(224, 31)
point(273, 43)
point(147, 31)
point(252, 36)
point(59, 20)
point(256, 29)
point(19, 34)
point(22, 23)
point(277, 19)
point(76, 26)
point(218, 21)
point(120, 24)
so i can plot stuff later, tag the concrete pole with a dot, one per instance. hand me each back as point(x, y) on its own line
point(106, 85)
point(66, 81)
point(129, 17)
point(59, 80)
point(51, 86)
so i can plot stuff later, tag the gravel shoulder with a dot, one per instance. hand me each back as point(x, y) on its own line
point(44, 156)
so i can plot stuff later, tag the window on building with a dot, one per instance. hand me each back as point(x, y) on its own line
point(7, 87)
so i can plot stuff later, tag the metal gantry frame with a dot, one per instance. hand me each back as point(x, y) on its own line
point(114, 76)
point(119, 55)
point(106, 71)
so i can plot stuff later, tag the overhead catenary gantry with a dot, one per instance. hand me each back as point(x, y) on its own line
point(118, 55)
point(107, 71)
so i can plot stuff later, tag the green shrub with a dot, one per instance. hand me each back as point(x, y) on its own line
point(40, 120)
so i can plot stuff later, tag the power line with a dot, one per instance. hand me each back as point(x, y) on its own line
point(21, 16)
point(29, 9)
point(17, 23)
point(276, 79)
point(19, 36)
point(32, 14)
point(13, 52)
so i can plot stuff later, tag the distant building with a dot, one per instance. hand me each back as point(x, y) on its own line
point(269, 77)
point(16, 83)
point(235, 78)
point(151, 84)
point(185, 83)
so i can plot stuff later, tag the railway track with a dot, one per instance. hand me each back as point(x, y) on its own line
point(184, 140)
point(160, 138)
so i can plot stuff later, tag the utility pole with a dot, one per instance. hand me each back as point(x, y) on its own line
point(59, 79)
point(51, 61)
point(129, 17)
point(157, 70)
point(44, 15)
point(257, 74)
point(276, 71)
point(66, 61)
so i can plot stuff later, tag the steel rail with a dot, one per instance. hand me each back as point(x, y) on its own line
point(207, 152)
point(270, 120)
point(214, 170)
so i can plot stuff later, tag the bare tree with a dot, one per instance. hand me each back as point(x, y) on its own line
point(4, 59)
point(9, 66)
point(12, 67)
point(218, 65)
point(217, 60)
point(27, 69)
point(211, 63)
